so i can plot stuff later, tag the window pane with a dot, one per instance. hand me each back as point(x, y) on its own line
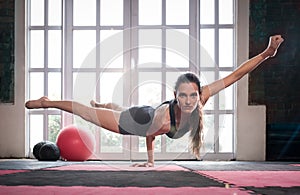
point(36, 129)
point(37, 12)
point(207, 47)
point(84, 85)
point(111, 13)
point(226, 95)
point(226, 11)
point(150, 48)
point(54, 49)
point(54, 86)
point(206, 78)
point(177, 48)
point(149, 88)
point(150, 12)
point(225, 133)
point(171, 78)
point(177, 12)
point(54, 126)
point(226, 48)
point(111, 88)
point(209, 134)
point(55, 9)
point(143, 146)
point(84, 13)
point(84, 44)
point(37, 49)
point(207, 12)
point(36, 85)
point(111, 142)
point(174, 59)
point(111, 48)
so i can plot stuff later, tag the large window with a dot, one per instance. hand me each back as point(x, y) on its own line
point(130, 52)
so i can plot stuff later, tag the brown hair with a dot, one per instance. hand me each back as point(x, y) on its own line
point(196, 134)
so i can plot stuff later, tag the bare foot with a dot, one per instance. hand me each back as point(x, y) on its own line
point(32, 104)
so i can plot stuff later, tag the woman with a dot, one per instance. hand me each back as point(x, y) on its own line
point(173, 118)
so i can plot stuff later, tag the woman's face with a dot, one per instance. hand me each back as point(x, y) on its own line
point(188, 97)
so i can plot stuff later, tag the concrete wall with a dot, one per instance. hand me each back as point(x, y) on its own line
point(12, 117)
point(251, 126)
point(276, 83)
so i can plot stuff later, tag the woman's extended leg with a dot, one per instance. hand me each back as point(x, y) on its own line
point(111, 106)
point(106, 118)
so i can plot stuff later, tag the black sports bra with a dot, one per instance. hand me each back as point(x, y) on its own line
point(174, 133)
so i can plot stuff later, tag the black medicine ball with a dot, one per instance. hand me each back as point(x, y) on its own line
point(36, 149)
point(46, 151)
point(49, 152)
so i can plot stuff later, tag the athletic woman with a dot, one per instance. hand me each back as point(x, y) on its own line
point(174, 118)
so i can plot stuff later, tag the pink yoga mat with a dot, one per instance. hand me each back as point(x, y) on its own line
point(256, 178)
point(45, 190)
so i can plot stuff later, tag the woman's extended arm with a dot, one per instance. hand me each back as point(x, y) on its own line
point(243, 69)
point(150, 151)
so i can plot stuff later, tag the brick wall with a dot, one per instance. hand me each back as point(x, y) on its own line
point(276, 84)
point(6, 51)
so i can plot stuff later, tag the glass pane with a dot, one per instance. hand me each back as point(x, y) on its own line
point(226, 133)
point(206, 78)
point(111, 48)
point(54, 86)
point(84, 13)
point(111, 88)
point(84, 43)
point(36, 128)
point(37, 12)
point(177, 48)
point(174, 59)
point(150, 12)
point(207, 47)
point(226, 48)
point(177, 12)
point(54, 12)
point(149, 88)
point(226, 11)
point(54, 49)
point(149, 57)
point(209, 134)
point(226, 95)
point(84, 85)
point(54, 126)
point(36, 49)
point(178, 145)
point(207, 12)
point(111, 142)
point(171, 78)
point(150, 48)
point(143, 147)
point(111, 12)
point(36, 88)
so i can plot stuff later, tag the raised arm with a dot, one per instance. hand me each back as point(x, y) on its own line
point(243, 69)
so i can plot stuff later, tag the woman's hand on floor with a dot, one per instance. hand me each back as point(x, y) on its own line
point(146, 164)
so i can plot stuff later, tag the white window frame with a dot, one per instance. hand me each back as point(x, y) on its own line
point(131, 21)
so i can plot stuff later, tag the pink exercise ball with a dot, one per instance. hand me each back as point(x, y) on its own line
point(75, 144)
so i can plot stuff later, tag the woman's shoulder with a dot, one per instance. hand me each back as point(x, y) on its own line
point(162, 108)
